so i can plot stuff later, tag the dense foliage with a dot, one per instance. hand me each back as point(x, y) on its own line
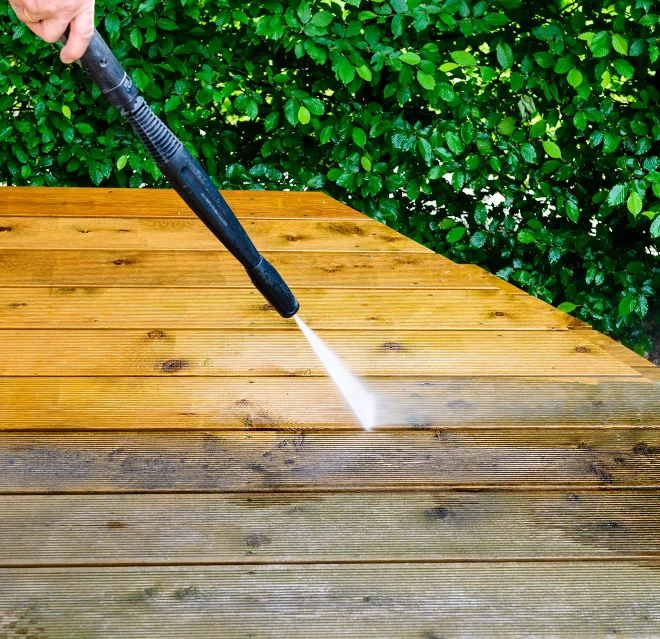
point(522, 136)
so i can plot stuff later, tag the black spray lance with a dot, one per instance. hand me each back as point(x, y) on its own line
point(183, 172)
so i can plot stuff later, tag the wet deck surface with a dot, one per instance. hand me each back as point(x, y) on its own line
point(175, 463)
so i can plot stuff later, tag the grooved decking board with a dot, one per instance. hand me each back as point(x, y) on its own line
point(69, 530)
point(226, 353)
point(169, 233)
point(258, 461)
point(619, 351)
point(271, 403)
point(160, 269)
point(85, 307)
point(398, 601)
point(98, 202)
point(650, 373)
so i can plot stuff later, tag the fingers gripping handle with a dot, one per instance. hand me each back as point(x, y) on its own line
point(183, 172)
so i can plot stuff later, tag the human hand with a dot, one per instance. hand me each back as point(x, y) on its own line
point(49, 19)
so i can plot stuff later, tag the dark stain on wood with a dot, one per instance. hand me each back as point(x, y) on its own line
point(116, 524)
point(174, 366)
point(256, 540)
point(345, 229)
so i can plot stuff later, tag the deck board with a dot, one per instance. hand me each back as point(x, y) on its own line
point(85, 307)
point(211, 269)
point(158, 234)
point(300, 528)
point(158, 351)
point(401, 601)
point(175, 462)
point(199, 403)
point(154, 203)
point(256, 460)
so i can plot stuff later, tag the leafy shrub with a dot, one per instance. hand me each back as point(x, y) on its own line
point(522, 136)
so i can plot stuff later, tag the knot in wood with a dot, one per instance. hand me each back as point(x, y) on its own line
point(174, 365)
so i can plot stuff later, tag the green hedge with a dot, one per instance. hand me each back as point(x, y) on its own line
point(522, 136)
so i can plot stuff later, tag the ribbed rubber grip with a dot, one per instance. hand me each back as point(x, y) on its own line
point(159, 141)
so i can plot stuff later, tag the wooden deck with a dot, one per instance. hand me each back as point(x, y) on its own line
point(174, 461)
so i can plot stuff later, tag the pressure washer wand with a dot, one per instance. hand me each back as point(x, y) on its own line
point(183, 172)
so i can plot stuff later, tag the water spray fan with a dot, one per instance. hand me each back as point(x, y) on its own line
point(184, 172)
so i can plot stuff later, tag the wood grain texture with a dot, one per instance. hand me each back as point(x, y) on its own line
point(246, 309)
point(209, 269)
point(266, 461)
point(101, 530)
point(157, 234)
point(271, 403)
point(100, 202)
point(650, 373)
point(226, 353)
point(398, 601)
point(619, 351)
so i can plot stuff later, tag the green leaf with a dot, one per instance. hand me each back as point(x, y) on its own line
point(567, 307)
point(574, 77)
point(600, 44)
point(66, 111)
point(507, 125)
point(425, 150)
point(205, 95)
point(454, 142)
point(617, 195)
point(446, 91)
point(366, 163)
point(626, 306)
point(359, 137)
point(426, 80)
point(620, 44)
point(635, 203)
point(291, 111)
point(140, 79)
point(478, 239)
point(528, 152)
point(552, 149)
point(172, 103)
point(572, 211)
point(136, 37)
point(346, 71)
point(322, 19)
point(655, 227)
point(364, 72)
point(456, 234)
point(610, 142)
point(580, 121)
point(112, 23)
point(271, 121)
point(121, 161)
point(526, 237)
point(504, 55)
point(410, 57)
point(303, 115)
point(624, 68)
point(463, 58)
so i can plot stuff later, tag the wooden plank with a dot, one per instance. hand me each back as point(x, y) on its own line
point(650, 373)
point(258, 461)
point(84, 307)
point(168, 233)
point(306, 404)
point(503, 285)
point(99, 202)
point(211, 269)
point(100, 530)
point(372, 601)
point(218, 353)
point(618, 350)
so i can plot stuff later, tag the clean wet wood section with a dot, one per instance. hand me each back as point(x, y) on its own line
point(174, 461)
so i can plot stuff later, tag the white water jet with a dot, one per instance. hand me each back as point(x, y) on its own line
point(361, 401)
